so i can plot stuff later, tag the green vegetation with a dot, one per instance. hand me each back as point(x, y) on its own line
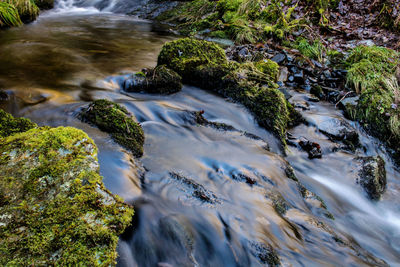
point(27, 9)
point(10, 125)
point(54, 207)
point(252, 84)
point(160, 80)
point(9, 16)
point(315, 50)
point(184, 55)
point(371, 71)
point(115, 120)
point(247, 21)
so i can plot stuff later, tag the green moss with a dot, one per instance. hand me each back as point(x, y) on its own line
point(371, 71)
point(27, 9)
point(54, 208)
point(268, 67)
point(251, 84)
point(116, 120)
point(9, 16)
point(10, 125)
point(184, 55)
point(160, 80)
point(315, 50)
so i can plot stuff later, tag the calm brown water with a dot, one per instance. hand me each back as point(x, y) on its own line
point(66, 59)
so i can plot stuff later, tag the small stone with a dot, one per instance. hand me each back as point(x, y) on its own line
point(372, 176)
point(279, 58)
point(313, 149)
point(283, 74)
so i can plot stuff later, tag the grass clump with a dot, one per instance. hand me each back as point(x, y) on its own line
point(27, 9)
point(371, 71)
point(115, 120)
point(315, 50)
point(9, 16)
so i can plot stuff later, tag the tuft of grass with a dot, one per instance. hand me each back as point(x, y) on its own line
point(316, 50)
point(369, 66)
point(9, 16)
point(27, 9)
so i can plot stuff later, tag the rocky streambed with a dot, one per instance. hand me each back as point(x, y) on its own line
point(213, 187)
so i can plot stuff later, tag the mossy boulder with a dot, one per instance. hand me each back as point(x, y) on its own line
point(55, 210)
point(44, 4)
point(184, 55)
point(204, 64)
point(10, 125)
point(118, 122)
point(160, 80)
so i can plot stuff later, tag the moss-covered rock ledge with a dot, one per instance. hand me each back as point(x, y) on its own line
point(54, 208)
point(204, 64)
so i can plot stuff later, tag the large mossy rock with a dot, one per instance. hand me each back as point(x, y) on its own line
point(54, 208)
point(184, 55)
point(204, 64)
point(160, 80)
point(118, 122)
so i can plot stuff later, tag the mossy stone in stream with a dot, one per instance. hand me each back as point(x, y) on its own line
point(160, 80)
point(54, 208)
point(204, 64)
point(372, 176)
point(117, 121)
point(10, 125)
point(184, 55)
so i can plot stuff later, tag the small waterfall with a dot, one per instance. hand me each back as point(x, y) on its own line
point(93, 6)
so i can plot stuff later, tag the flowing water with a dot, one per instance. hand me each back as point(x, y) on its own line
point(203, 196)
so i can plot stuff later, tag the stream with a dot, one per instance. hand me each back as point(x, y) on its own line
point(203, 196)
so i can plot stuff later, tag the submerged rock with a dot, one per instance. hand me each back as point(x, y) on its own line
point(313, 149)
point(160, 80)
point(339, 130)
point(117, 121)
point(372, 176)
point(54, 207)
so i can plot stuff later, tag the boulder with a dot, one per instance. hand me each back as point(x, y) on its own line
point(160, 80)
point(372, 176)
point(339, 130)
point(118, 122)
point(54, 208)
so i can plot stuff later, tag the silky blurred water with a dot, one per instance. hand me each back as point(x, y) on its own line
point(203, 196)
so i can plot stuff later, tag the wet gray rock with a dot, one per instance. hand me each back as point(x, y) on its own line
point(339, 130)
point(349, 106)
point(279, 58)
point(313, 149)
point(265, 253)
point(372, 176)
point(283, 74)
point(197, 190)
